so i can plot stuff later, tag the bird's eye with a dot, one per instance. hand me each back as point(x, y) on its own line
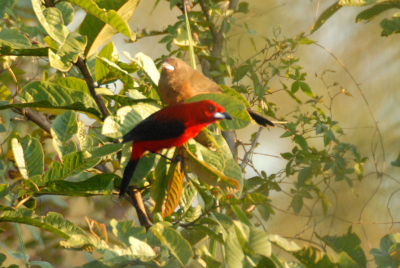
point(211, 108)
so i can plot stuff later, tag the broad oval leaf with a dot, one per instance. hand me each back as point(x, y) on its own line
point(67, 11)
point(211, 175)
point(233, 252)
point(73, 163)
point(232, 105)
point(96, 185)
point(62, 130)
point(29, 156)
point(73, 83)
point(51, 20)
point(147, 65)
point(138, 250)
point(283, 243)
point(109, 52)
point(68, 52)
point(52, 222)
point(13, 38)
point(97, 31)
point(114, 69)
point(126, 119)
point(178, 246)
point(48, 95)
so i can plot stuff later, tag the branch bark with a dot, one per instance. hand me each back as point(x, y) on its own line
point(35, 117)
point(81, 64)
point(137, 202)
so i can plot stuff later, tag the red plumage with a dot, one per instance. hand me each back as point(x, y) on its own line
point(170, 127)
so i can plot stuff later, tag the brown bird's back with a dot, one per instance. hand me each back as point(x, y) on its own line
point(179, 82)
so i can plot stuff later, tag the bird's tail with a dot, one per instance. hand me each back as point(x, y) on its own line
point(128, 173)
point(261, 120)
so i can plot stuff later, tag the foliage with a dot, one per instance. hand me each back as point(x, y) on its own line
point(64, 156)
point(375, 7)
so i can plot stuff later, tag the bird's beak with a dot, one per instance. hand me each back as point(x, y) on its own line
point(168, 66)
point(221, 116)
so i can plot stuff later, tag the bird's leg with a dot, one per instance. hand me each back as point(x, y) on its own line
point(176, 159)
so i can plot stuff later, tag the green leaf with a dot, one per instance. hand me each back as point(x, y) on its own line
point(304, 175)
point(233, 106)
point(234, 93)
point(6, 4)
point(283, 243)
point(68, 52)
point(121, 74)
point(52, 222)
point(110, 17)
point(29, 156)
point(349, 243)
point(138, 250)
point(178, 246)
point(258, 242)
point(42, 264)
point(109, 52)
point(300, 140)
point(210, 175)
point(97, 31)
point(375, 10)
point(233, 252)
point(188, 196)
point(100, 184)
point(146, 64)
point(51, 20)
point(358, 3)
point(213, 235)
point(73, 83)
point(306, 89)
point(62, 130)
point(124, 230)
point(73, 163)
point(306, 41)
point(126, 119)
point(192, 214)
point(48, 95)
point(390, 27)
point(325, 16)
point(102, 151)
point(386, 255)
point(159, 188)
point(67, 11)
point(297, 203)
point(14, 39)
point(396, 163)
point(85, 141)
point(313, 257)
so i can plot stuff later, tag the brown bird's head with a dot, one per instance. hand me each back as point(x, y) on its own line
point(175, 71)
point(179, 82)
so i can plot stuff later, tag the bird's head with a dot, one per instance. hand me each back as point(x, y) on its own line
point(208, 111)
point(175, 69)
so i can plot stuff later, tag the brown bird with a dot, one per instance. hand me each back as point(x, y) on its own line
point(179, 82)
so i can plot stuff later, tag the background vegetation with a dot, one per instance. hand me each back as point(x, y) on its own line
point(319, 191)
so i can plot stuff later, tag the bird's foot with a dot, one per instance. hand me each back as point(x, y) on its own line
point(176, 159)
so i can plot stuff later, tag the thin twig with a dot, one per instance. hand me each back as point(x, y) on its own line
point(248, 154)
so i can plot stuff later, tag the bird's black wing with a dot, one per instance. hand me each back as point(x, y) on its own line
point(151, 129)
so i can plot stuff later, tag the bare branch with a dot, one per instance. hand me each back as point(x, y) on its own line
point(81, 64)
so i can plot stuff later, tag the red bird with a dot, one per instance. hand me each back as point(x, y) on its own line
point(179, 82)
point(169, 127)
